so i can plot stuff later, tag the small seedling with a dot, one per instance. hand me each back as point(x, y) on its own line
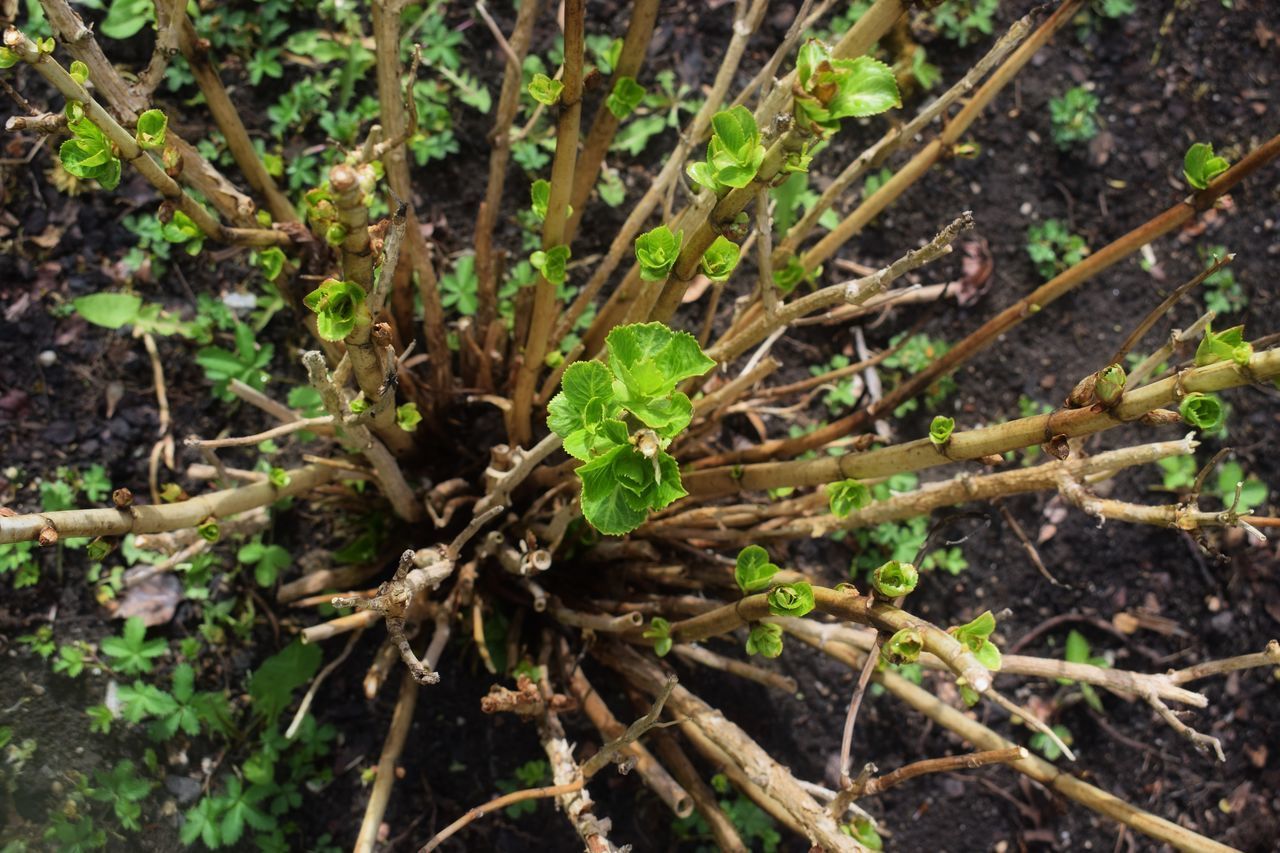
point(1075, 117)
point(1053, 248)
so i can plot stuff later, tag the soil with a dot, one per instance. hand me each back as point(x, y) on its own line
point(1168, 75)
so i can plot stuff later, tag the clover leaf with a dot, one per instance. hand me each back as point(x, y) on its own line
point(754, 571)
point(625, 97)
point(657, 251)
point(1200, 166)
point(338, 306)
point(720, 259)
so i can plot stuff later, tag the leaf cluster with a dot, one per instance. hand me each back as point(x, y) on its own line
point(734, 152)
point(832, 89)
point(619, 417)
point(89, 154)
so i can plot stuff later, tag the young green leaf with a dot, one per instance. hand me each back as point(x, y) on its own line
point(862, 830)
point(894, 579)
point(8, 59)
point(975, 636)
point(539, 196)
point(846, 496)
point(110, 310)
point(753, 571)
point(1205, 412)
point(659, 631)
point(584, 403)
point(1200, 166)
point(271, 261)
point(620, 486)
point(150, 132)
point(940, 430)
point(903, 647)
point(551, 263)
point(1110, 384)
point(88, 153)
point(545, 90)
point(79, 72)
point(625, 97)
point(792, 599)
point(1227, 345)
point(338, 306)
point(765, 639)
point(657, 251)
point(408, 417)
point(182, 230)
point(834, 89)
point(209, 531)
point(720, 259)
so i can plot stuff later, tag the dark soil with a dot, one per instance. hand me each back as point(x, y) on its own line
point(1214, 78)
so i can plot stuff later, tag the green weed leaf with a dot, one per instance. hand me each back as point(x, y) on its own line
point(132, 653)
point(625, 97)
point(272, 684)
point(110, 310)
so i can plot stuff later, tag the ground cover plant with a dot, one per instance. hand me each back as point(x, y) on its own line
point(464, 374)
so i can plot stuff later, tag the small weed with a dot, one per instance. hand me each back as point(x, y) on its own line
point(1074, 116)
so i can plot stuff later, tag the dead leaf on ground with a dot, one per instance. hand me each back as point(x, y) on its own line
point(154, 600)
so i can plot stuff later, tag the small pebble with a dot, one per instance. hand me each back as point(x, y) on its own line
point(47, 358)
